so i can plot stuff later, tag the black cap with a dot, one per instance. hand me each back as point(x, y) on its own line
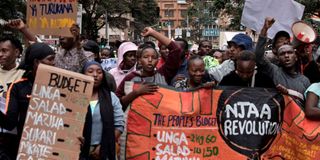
point(278, 35)
point(91, 46)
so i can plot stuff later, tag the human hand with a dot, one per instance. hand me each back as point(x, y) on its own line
point(16, 24)
point(282, 89)
point(209, 84)
point(95, 154)
point(148, 31)
point(81, 140)
point(268, 22)
point(180, 77)
point(147, 88)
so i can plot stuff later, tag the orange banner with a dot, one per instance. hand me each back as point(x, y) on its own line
point(234, 123)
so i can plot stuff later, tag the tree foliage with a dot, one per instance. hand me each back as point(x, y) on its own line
point(201, 14)
point(118, 14)
point(234, 9)
point(11, 9)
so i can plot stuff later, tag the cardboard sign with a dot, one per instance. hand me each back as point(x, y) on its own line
point(51, 17)
point(235, 123)
point(56, 114)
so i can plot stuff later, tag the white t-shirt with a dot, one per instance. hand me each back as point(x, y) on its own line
point(6, 78)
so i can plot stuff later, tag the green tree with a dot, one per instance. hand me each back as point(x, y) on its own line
point(117, 12)
point(11, 9)
point(201, 14)
point(234, 9)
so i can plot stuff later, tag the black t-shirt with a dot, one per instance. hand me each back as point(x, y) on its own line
point(312, 72)
point(261, 80)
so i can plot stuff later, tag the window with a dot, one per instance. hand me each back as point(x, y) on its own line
point(168, 6)
point(171, 23)
point(183, 13)
point(183, 23)
point(168, 13)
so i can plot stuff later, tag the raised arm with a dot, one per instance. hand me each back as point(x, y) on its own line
point(173, 62)
point(18, 24)
point(148, 31)
point(265, 65)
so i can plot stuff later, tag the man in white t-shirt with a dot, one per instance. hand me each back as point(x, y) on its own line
point(10, 50)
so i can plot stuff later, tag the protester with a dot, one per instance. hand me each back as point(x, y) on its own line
point(126, 61)
point(196, 75)
point(106, 53)
point(108, 61)
point(10, 49)
point(281, 38)
point(104, 119)
point(164, 52)
point(286, 76)
point(148, 75)
point(140, 48)
point(10, 52)
point(71, 57)
point(246, 73)
point(92, 50)
point(90, 47)
point(218, 55)
point(312, 71)
point(237, 44)
point(183, 69)
point(304, 53)
point(312, 108)
point(18, 95)
point(204, 50)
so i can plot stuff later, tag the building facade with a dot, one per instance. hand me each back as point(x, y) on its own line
point(173, 19)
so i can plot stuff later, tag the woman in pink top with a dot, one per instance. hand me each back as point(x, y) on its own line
point(126, 61)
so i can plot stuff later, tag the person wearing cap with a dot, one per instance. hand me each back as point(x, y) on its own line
point(237, 44)
point(19, 92)
point(104, 119)
point(71, 57)
point(126, 61)
point(286, 76)
point(281, 38)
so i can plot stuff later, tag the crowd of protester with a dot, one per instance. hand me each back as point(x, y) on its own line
point(170, 63)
